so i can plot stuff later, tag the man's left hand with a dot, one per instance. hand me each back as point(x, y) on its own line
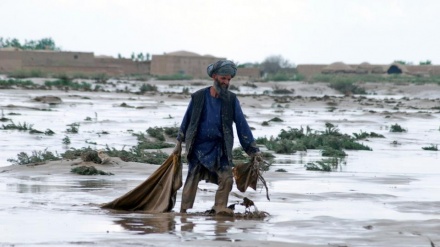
point(257, 156)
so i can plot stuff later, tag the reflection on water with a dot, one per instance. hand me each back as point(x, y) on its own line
point(29, 188)
point(95, 184)
point(159, 223)
point(188, 227)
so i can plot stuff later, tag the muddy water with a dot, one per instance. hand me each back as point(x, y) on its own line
point(385, 197)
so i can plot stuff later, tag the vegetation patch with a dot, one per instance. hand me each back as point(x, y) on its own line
point(123, 104)
point(364, 135)
point(171, 131)
point(66, 83)
point(397, 128)
point(331, 141)
point(156, 132)
point(324, 165)
point(276, 119)
point(89, 170)
point(11, 83)
point(36, 157)
point(66, 140)
point(346, 86)
point(73, 129)
point(431, 148)
point(19, 126)
point(174, 77)
point(147, 88)
point(137, 154)
point(147, 144)
point(331, 152)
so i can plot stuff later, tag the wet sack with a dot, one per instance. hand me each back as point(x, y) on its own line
point(157, 194)
point(247, 175)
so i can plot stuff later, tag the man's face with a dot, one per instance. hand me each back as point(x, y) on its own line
point(221, 83)
point(223, 80)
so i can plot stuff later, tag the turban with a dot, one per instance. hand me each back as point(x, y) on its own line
point(222, 67)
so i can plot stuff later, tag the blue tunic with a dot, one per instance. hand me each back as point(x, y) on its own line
point(208, 144)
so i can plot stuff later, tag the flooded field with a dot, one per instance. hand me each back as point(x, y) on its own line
point(384, 197)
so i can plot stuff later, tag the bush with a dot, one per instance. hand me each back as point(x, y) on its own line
point(397, 128)
point(89, 170)
point(36, 157)
point(156, 132)
point(346, 85)
point(325, 165)
point(431, 148)
point(174, 77)
point(13, 82)
point(147, 88)
point(330, 140)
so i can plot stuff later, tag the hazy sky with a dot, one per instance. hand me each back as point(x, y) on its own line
point(302, 31)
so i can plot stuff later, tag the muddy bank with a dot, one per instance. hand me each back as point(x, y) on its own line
point(384, 197)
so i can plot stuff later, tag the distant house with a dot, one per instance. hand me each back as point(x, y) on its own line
point(337, 67)
point(181, 62)
point(66, 62)
point(397, 68)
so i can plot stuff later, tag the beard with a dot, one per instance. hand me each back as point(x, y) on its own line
point(221, 89)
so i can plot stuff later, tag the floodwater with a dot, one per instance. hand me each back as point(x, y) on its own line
point(384, 197)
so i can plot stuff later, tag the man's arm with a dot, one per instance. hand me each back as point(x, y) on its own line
point(182, 130)
point(244, 132)
point(185, 123)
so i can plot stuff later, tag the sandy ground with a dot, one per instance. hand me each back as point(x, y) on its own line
point(385, 197)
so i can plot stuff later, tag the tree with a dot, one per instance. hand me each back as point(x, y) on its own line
point(140, 57)
point(273, 64)
point(42, 44)
point(46, 44)
point(427, 62)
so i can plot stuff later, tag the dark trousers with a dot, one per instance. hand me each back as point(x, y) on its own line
point(224, 181)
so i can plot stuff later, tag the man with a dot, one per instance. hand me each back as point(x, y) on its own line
point(207, 132)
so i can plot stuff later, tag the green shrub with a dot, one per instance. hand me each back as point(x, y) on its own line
point(397, 128)
point(329, 140)
point(19, 126)
point(331, 152)
point(36, 157)
point(89, 170)
point(174, 77)
point(325, 165)
point(363, 135)
point(276, 119)
point(156, 132)
point(66, 140)
point(74, 128)
point(346, 86)
point(147, 88)
point(18, 83)
point(27, 73)
point(171, 131)
point(431, 148)
point(65, 82)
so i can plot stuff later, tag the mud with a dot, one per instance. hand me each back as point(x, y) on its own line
point(384, 197)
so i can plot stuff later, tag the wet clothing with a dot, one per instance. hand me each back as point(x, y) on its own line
point(207, 132)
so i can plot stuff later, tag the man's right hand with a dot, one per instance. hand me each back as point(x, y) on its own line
point(178, 148)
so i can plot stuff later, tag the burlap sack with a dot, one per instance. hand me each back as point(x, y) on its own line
point(157, 194)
